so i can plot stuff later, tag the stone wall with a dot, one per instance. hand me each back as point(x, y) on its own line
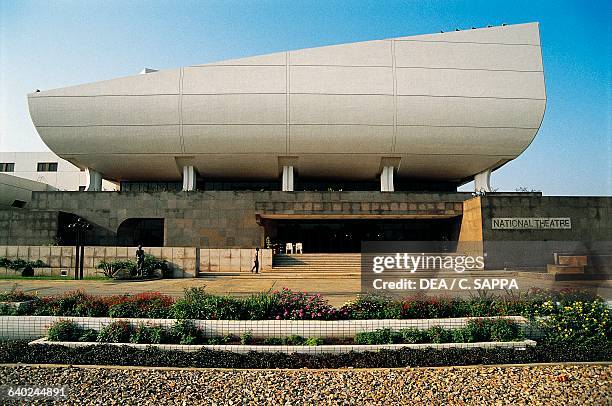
point(22, 226)
point(213, 219)
point(185, 262)
point(590, 233)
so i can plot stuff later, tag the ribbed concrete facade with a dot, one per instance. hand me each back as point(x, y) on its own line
point(442, 107)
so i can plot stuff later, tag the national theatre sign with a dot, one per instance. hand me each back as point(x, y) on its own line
point(532, 223)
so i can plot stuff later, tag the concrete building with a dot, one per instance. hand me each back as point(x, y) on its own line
point(378, 115)
point(327, 146)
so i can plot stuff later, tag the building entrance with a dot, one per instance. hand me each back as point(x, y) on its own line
point(347, 235)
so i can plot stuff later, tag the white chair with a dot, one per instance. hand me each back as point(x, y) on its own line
point(289, 248)
point(298, 248)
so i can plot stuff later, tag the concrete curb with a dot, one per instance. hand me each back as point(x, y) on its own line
point(344, 369)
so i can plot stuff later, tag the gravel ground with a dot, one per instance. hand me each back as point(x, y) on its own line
point(545, 384)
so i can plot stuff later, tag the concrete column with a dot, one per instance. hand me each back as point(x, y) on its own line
point(386, 179)
point(287, 178)
point(94, 180)
point(482, 181)
point(189, 178)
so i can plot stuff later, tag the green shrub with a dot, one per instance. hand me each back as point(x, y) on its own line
point(149, 334)
point(16, 296)
point(294, 340)
point(151, 264)
point(89, 335)
point(482, 330)
point(439, 335)
point(505, 330)
point(185, 332)
point(414, 336)
point(430, 308)
point(226, 339)
point(372, 307)
point(151, 305)
point(111, 268)
point(140, 335)
point(76, 304)
point(260, 306)
point(475, 330)
point(64, 330)
point(19, 263)
point(116, 332)
point(382, 336)
point(157, 335)
point(246, 337)
point(314, 341)
point(197, 304)
point(273, 341)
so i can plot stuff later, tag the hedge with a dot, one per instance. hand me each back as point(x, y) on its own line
point(20, 352)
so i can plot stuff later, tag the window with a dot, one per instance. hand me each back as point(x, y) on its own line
point(47, 167)
point(7, 167)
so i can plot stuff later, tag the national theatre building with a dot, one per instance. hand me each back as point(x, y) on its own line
point(328, 146)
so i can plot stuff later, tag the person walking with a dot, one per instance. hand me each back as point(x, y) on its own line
point(256, 262)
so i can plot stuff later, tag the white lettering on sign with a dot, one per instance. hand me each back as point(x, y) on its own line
point(532, 223)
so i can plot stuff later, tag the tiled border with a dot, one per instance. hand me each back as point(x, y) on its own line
point(302, 349)
point(31, 327)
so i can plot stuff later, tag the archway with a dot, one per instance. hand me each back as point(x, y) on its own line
point(141, 231)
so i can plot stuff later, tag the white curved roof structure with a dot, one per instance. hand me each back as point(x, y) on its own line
point(442, 106)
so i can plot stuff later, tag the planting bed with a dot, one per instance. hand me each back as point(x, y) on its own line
point(299, 349)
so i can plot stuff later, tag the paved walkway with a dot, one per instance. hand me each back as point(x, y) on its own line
point(338, 289)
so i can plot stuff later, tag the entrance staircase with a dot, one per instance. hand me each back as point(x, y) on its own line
point(337, 264)
point(345, 263)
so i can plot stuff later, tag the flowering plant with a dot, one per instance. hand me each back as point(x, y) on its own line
point(578, 321)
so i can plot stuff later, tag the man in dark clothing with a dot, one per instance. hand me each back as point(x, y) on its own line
point(256, 262)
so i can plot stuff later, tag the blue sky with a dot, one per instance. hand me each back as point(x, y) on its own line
point(49, 44)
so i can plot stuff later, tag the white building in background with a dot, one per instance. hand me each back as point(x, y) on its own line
point(48, 168)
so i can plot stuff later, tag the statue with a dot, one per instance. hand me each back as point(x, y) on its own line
point(140, 256)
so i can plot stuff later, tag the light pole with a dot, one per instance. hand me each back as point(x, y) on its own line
point(79, 226)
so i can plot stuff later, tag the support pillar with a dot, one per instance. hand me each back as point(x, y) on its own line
point(386, 179)
point(94, 180)
point(482, 181)
point(189, 178)
point(287, 178)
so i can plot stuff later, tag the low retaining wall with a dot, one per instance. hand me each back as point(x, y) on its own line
point(31, 327)
point(302, 349)
point(185, 262)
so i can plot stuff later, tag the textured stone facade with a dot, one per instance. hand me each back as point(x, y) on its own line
point(231, 220)
point(211, 219)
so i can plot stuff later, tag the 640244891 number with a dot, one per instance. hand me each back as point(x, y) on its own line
point(25, 391)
